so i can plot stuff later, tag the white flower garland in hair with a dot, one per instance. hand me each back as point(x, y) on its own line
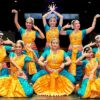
point(20, 41)
point(84, 48)
point(96, 37)
point(72, 22)
point(1, 33)
point(31, 18)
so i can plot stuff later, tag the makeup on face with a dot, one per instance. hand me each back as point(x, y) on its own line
point(18, 47)
point(29, 25)
point(76, 24)
point(98, 41)
point(52, 22)
point(55, 44)
point(30, 19)
point(90, 54)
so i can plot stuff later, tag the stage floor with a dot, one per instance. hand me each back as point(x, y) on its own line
point(35, 97)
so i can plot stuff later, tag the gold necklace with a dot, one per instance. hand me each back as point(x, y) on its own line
point(75, 35)
point(54, 56)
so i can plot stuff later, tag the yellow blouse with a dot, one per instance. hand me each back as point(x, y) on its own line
point(29, 37)
point(90, 66)
point(19, 60)
point(76, 38)
point(52, 33)
point(55, 60)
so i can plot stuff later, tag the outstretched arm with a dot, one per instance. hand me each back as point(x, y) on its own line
point(16, 18)
point(62, 32)
point(93, 24)
point(91, 44)
point(8, 41)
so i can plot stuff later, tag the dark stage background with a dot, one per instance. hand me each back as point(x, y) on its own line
point(85, 8)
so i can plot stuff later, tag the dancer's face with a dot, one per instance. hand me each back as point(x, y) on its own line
point(29, 24)
point(90, 54)
point(76, 24)
point(98, 42)
point(52, 22)
point(55, 44)
point(18, 48)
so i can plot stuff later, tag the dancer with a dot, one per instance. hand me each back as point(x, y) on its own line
point(51, 28)
point(96, 51)
point(16, 84)
point(30, 67)
point(29, 35)
point(3, 54)
point(75, 49)
point(90, 84)
point(53, 80)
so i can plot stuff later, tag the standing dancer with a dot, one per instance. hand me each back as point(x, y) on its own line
point(29, 35)
point(75, 49)
point(51, 28)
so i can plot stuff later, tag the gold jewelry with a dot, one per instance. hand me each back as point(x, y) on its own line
point(54, 56)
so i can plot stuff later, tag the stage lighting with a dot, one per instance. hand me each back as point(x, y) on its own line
point(39, 16)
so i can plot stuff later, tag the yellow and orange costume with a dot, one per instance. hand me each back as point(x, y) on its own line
point(3, 66)
point(55, 83)
point(31, 66)
point(51, 33)
point(90, 87)
point(29, 38)
point(75, 51)
point(97, 55)
point(13, 85)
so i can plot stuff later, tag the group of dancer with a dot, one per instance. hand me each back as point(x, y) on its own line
point(56, 72)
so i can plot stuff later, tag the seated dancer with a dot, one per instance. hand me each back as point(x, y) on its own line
point(26, 68)
point(30, 67)
point(3, 55)
point(51, 28)
point(90, 83)
point(96, 51)
point(75, 48)
point(15, 84)
point(53, 80)
point(29, 35)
